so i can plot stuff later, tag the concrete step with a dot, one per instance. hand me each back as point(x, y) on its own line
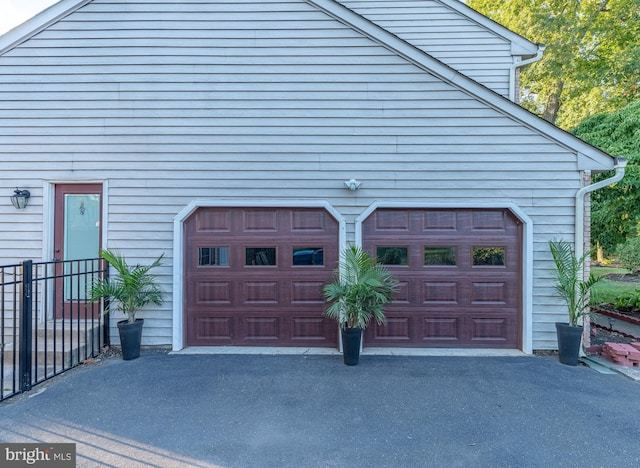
point(62, 345)
point(58, 329)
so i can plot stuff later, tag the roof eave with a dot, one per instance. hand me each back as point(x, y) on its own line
point(520, 46)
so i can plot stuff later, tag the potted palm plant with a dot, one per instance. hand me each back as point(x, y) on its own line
point(358, 293)
point(575, 291)
point(131, 290)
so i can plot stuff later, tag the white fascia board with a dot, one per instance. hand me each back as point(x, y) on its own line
point(41, 21)
point(586, 163)
point(594, 159)
point(520, 46)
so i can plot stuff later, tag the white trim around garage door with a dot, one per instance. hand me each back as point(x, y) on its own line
point(527, 254)
point(178, 244)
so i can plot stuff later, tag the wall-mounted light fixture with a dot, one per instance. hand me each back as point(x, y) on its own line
point(20, 198)
point(352, 184)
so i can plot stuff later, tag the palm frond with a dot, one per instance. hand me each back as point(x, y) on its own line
point(359, 291)
point(132, 288)
point(570, 286)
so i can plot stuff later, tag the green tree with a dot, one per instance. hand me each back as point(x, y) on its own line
point(615, 210)
point(592, 60)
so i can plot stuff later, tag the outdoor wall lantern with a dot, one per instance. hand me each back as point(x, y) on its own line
point(20, 198)
point(352, 184)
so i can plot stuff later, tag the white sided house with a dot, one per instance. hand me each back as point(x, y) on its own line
point(251, 140)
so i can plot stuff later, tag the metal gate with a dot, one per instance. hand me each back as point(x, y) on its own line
point(47, 323)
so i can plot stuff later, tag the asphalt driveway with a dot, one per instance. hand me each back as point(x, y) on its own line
point(313, 411)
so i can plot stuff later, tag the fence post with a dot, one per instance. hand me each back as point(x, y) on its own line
point(106, 338)
point(26, 327)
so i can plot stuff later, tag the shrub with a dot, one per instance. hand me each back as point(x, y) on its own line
point(628, 254)
point(629, 300)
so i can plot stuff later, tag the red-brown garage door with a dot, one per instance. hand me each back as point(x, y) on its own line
point(254, 276)
point(460, 274)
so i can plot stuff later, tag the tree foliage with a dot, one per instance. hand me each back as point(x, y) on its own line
point(628, 254)
point(615, 210)
point(592, 60)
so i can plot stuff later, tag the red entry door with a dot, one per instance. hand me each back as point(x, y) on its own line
point(77, 238)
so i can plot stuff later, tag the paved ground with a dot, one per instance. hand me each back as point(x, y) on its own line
point(313, 411)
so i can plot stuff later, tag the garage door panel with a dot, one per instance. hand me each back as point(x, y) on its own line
point(307, 221)
point(489, 293)
point(438, 331)
point(266, 284)
point(207, 329)
point(212, 221)
point(261, 328)
point(212, 292)
point(440, 292)
point(259, 220)
point(395, 328)
point(311, 328)
point(440, 221)
point(489, 329)
point(260, 292)
point(489, 220)
point(460, 272)
point(467, 330)
point(403, 293)
point(396, 221)
point(307, 292)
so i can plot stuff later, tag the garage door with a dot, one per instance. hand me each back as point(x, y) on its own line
point(460, 274)
point(254, 276)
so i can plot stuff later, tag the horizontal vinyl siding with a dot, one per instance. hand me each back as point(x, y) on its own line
point(247, 113)
point(446, 35)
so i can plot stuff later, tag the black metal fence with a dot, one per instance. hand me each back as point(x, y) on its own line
point(47, 323)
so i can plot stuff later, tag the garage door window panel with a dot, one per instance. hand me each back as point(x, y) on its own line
point(440, 256)
point(392, 255)
point(307, 256)
point(260, 256)
point(489, 257)
point(213, 256)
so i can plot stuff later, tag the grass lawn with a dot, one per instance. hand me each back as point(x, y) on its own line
point(606, 291)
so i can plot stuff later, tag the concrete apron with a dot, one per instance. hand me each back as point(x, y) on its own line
point(365, 351)
point(595, 362)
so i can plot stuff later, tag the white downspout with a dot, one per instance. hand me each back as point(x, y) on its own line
point(515, 65)
point(620, 164)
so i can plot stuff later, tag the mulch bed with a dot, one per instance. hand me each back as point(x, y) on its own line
point(624, 277)
point(599, 336)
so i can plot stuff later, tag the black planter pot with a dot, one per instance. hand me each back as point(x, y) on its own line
point(351, 338)
point(130, 338)
point(569, 340)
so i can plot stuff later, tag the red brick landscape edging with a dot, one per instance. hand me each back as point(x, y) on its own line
point(617, 315)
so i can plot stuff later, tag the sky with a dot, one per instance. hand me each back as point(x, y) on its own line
point(15, 12)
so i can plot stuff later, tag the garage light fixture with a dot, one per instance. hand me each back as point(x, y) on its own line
point(352, 184)
point(20, 198)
